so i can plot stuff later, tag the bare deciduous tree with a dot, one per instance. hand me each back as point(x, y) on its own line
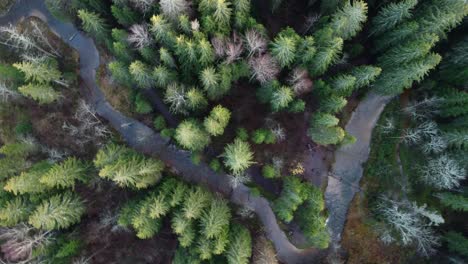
point(409, 224)
point(442, 173)
point(139, 36)
point(173, 8)
point(255, 42)
point(89, 128)
point(143, 5)
point(219, 46)
point(234, 48)
point(300, 81)
point(7, 94)
point(27, 42)
point(176, 96)
point(20, 241)
point(264, 68)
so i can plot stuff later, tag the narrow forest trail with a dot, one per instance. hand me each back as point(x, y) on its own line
point(347, 170)
point(145, 140)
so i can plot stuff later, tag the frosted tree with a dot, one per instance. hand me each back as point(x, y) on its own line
point(173, 8)
point(143, 5)
point(139, 36)
point(256, 43)
point(409, 225)
point(442, 173)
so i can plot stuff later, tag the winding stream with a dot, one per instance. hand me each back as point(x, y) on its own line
point(339, 193)
point(347, 170)
point(145, 140)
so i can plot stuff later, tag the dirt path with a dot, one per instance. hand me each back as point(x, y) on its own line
point(347, 170)
point(145, 140)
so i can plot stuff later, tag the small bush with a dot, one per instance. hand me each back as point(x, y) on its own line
point(269, 172)
point(167, 132)
point(142, 106)
point(159, 123)
point(215, 165)
point(242, 134)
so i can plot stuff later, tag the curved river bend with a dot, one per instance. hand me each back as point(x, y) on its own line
point(348, 160)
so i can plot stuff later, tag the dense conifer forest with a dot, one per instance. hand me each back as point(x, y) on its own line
point(233, 131)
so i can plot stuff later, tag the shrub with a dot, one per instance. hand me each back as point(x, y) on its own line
point(269, 171)
point(242, 134)
point(159, 123)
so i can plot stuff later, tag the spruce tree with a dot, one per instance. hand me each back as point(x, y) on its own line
point(217, 121)
point(195, 202)
point(141, 74)
point(93, 23)
point(29, 181)
point(191, 135)
point(41, 72)
point(348, 20)
point(42, 93)
point(215, 219)
point(15, 211)
point(240, 247)
point(65, 174)
point(391, 15)
point(58, 212)
point(284, 47)
point(456, 202)
point(238, 156)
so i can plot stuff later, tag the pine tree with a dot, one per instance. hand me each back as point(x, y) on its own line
point(456, 202)
point(397, 35)
point(328, 50)
point(162, 31)
point(42, 93)
point(158, 206)
point(324, 120)
point(441, 16)
point(65, 174)
point(191, 135)
point(210, 80)
point(240, 248)
point(365, 75)
point(128, 168)
point(125, 15)
point(41, 72)
point(184, 228)
point(349, 19)
point(457, 243)
point(196, 201)
point(15, 211)
point(332, 104)
point(457, 139)
point(120, 72)
point(145, 226)
point(196, 100)
point(58, 212)
point(166, 57)
point(454, 67)
point(284, 47)
point(391, 15)
point(215, 219)
point(141, 74)
point(343, 84)
point(217, 121)
point(408, 51)
point(238, 156)
point(326, 135)
point(93, 23)
point(395, 80)
point(163, 76)
point(29, 181)
point(205, 52)
point(281, 98)
point(293, 194)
